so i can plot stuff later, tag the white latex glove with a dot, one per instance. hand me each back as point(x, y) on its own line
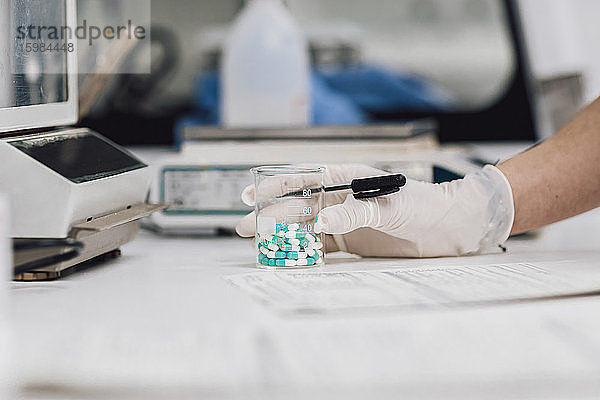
point(423, 219)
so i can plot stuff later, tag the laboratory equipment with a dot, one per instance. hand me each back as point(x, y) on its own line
point(265, 69)
point(72, 183)
point(203, 197)
point(64, 183)
point(287, 201)
point(204, 180)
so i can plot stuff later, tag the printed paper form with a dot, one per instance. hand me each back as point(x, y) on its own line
point(319, 290)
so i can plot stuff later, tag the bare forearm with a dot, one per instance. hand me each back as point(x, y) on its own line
point(560, 177)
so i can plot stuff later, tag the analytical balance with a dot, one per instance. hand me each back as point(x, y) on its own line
point(65, 185)
point(203, 181)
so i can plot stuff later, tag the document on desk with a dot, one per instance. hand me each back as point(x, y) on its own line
point(423, 286)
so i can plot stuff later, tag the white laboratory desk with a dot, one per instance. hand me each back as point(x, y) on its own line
point(161, 322)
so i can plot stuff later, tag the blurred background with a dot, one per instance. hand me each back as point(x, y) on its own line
point(482, 69)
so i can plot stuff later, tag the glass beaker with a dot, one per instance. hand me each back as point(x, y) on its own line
point(287, 201)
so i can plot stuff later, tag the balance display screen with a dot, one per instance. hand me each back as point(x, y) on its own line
point(79, 157)
point(198, 190)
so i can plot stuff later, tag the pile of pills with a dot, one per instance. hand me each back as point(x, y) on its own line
point(289, 246)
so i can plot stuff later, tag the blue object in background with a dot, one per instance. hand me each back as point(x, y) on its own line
point(331, 107)
point(207, 97)
point(339, 96)
point(377, 89)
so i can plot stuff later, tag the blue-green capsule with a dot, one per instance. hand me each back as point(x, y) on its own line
point(277, 240)
point(280, 254)
point(280, 262)
point(292, 255)
point(303, 243)
point(295, 234)
point(286, 247)
point(281, 228)
point(293, 241)
point(310, 261)
point(271, 262)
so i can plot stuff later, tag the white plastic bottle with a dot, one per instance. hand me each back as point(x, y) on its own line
point(265, 69)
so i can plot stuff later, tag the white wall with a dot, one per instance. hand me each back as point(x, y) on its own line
point(564, 36)
point(589, 13)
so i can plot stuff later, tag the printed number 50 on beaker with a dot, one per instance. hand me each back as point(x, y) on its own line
point(288, 199)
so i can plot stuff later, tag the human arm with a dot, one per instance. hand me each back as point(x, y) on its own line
point(560, 177)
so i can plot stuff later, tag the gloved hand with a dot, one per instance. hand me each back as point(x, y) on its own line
point(423, 219)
